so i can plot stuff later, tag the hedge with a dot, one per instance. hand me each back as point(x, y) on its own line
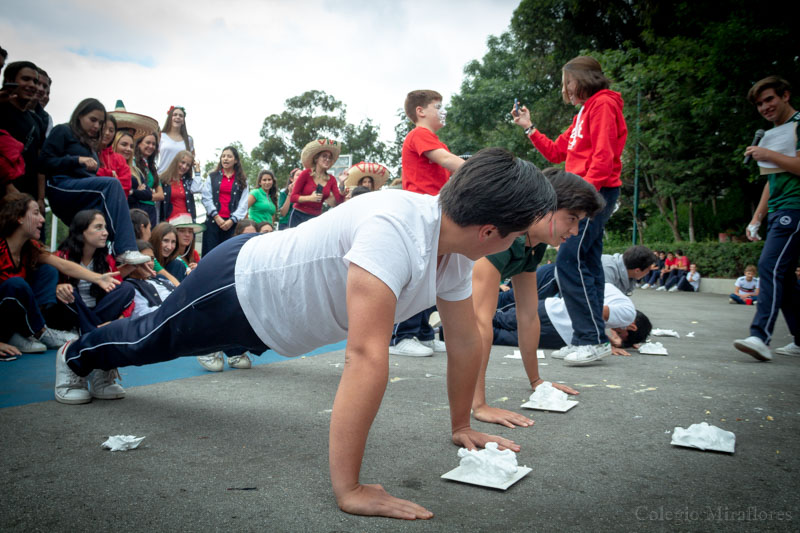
point(713, 259)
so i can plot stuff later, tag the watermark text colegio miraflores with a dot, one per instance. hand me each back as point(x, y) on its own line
point(710, 514)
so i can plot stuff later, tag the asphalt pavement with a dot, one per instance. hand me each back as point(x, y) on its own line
point(247, 450)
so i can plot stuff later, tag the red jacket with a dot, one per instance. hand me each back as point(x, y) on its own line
point(12, 165)
point(112, 161)
point(593, 144)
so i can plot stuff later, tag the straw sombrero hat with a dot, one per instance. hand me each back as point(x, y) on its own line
point(320, 145)
point(185, 221)
point(138, 125)
point(379, 174)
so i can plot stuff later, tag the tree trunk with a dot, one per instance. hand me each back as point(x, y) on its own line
point(714, 206)
point(673, 222)
point(691, 222)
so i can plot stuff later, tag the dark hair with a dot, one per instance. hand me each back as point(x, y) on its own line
point(13, 207)
point(12, 70)
point(238, 171)
point(678, 252)
point(84, 108)
point(643, 329)
point(777, 83)
point(416, 99)
point(143, 245)
point(161, 229)
point(261, 226)
point(3, 52)
point(494, 187)
point(145, 164)
point(73, 245)
point(359, 190)
point(273, 191)
point(184, 132)
point(639, 256)
point(140, 219)
point(244, 224)
point(588, 76)
point(573, 193)
point(46, 75)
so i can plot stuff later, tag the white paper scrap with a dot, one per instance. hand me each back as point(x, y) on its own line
point(653, 348)
point(548, 398)
point(704, 437)
point(690, 334)
point(122, 443)
point(665, 333)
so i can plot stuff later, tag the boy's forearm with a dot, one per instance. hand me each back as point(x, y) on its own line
point(529, 344)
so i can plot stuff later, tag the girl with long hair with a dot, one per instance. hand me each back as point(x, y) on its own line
point(70, 161)
point(146, 185)
point(592, 148)
point(263, 201)
point(164, 240)
point(314, 185)
point(174, 137)
point(180, 181)
point(113, 164)
point(28, 277)
point(224, 198)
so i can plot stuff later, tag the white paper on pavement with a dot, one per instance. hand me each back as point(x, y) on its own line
point(122, 443)
point(653, 348)
point(665, 333)
point(489, 467)
point(704, 437)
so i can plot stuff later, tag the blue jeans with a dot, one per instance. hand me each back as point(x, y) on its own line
point(417, 326)
point(580, 275)
point(778, 289)
point(546, 282)
point(18, 309)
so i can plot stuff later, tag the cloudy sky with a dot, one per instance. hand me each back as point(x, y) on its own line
point(233, 63)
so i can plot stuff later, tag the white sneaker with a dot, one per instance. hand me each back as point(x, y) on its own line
point(645, 286)
point(561, 353)
point(587, 354)
point(673, 289)
point(104, 384)
point(411, 348)
point(132, 257)
point(789, 349)
point(212, 362)
point(435, 344)
point(241, 362)
point(26, 344)
point(661, 288)
point(70, 387)
point(753, 346)
point(55, 338)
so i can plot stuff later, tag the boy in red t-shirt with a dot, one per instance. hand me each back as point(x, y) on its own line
point(427, 165)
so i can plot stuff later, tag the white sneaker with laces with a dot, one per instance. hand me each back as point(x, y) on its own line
point(561, 353)
point(70, 387)
point(789, 349)
point(645, 286)
point(587, 354)
point(26, 344)
point(435, 344)
point(212, 362)
point(103, 384)
point(673, 289)
point(754, 347)
point(132, 257)
point(411, 348)
point(55, 338)
point(662, 288)
point(242, 361)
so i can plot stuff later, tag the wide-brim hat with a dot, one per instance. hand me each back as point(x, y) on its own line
point(379, 174)
point(320, 145)
point(185, 221)
point(138, 125)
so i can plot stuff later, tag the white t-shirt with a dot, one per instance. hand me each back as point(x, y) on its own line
point(621, 312)
point(168, 149)
point(140, 308)
point(292, 284)
point(746, 287)
point(84, 289)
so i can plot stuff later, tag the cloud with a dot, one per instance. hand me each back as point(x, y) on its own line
point(232, 64)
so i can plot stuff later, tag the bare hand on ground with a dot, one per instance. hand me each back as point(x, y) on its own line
point(494, 415)
point(373, 500)
point(470, 439)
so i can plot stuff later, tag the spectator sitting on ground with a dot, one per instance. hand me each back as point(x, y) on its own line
point(245, 226)
point(265, 227)
point(141, 224)
point(625, 269)
point(690, 282)
point(164, 240)
point(651, 280)
point(669, 266)
point(151, 290)
point(677, 272)
point(745, 287)
point(113, 164)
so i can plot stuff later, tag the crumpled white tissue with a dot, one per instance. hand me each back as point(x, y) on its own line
point(549, 398)
point(489, 465)
point(665, 333)
point(690, 334)
point(704, 437)
point(122, 443)
point(653, 348)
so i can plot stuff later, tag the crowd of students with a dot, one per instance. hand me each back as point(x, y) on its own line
point(128, 286)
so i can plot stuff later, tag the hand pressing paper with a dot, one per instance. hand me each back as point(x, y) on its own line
point(489, 467)
point(548, 398)
point(122, 443)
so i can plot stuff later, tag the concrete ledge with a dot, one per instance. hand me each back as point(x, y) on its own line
point(717, 285)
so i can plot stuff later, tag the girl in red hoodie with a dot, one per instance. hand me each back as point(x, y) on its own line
point(111, 163)
point(592, 147)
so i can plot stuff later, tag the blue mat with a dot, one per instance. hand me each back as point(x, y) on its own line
point(30, 378)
